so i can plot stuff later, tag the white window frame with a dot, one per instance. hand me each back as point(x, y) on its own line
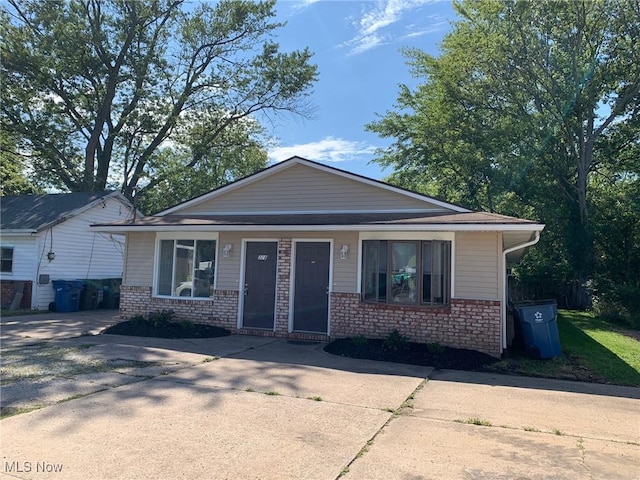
point(184, 236)
point(13, 258)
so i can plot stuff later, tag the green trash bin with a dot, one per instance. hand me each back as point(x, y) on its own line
point(538, 322)
point(111, 293)
point(89, 296)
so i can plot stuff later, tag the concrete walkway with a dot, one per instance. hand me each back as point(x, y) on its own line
point(258, 408)
point(27, 329)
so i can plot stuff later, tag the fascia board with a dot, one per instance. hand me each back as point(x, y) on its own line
point(320, 228)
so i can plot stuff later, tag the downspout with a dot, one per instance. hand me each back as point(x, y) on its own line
point(503, 332)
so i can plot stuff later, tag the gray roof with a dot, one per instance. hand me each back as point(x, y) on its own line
point(34, 212)
point(422, 218)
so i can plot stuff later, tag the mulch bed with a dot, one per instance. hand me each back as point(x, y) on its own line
point(431, 355)
point(166, 330)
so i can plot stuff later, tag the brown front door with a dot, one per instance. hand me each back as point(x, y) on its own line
point(311, 294)
point(260, 284)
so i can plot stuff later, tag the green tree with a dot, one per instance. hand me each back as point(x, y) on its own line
point(97, 87)
point(512, 114)
point(13, 178)
point(201, 162)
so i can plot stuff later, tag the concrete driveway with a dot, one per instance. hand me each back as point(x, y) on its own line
point(249, 407)
point(27, 329)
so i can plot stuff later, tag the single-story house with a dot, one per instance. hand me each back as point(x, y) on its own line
point(303, 250)
point(47, 237)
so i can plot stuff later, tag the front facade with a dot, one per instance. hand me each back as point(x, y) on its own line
point(307, 251)
point(47, 237)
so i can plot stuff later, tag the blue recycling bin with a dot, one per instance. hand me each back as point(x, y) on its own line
point(67, 296)
point(539, 327)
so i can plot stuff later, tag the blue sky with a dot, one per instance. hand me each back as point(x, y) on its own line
point(356, 46)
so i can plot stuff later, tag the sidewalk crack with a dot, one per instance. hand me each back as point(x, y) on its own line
point(401, 410)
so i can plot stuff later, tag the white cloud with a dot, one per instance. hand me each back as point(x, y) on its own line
point(328, 149)
point(374, 25)
point(302, 4)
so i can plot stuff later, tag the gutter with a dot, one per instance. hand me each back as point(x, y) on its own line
point(18, 231)
point(503, 332)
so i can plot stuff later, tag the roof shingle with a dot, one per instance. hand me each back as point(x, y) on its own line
point(33, 212)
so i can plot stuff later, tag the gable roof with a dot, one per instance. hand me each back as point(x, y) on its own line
point(292, 162)
point(37, 212)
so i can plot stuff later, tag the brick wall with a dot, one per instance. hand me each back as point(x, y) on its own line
point(8, 290)
point(283, 285)
point(471, 324)
point(222, 311)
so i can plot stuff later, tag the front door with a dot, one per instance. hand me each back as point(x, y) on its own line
point(260, 284)
point(311, 294)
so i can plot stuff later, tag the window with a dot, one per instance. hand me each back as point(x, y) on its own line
point(186, 268)
point(6, 260)
point(406, 272)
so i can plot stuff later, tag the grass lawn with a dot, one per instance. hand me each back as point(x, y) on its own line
point(593, 350)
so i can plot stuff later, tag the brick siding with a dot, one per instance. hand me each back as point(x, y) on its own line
point(283, 285)
point(222, 311)
point(471, 324)
point(8, 290)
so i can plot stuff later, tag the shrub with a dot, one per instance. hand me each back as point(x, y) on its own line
point(186, 324)
point(396, 341)
point(359, 341)
point(161, 319)
point(619, 303)
point(138, 320)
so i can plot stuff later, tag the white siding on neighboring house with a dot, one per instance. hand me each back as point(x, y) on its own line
point(476, 266)
point(81, 253)
point(24, 257)
point(306, 189)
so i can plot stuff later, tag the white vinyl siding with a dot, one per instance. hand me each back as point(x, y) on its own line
point(229, 267)
point(303, 189)
point(24, 258)
point(140, 255)
point(476, 265)
point(80, 253)
point(345, 271)
point(141, 248)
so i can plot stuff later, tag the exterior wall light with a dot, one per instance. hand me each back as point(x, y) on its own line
point(344, 251)
point(227, 250)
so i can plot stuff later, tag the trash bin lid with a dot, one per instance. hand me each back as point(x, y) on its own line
point(538, 312)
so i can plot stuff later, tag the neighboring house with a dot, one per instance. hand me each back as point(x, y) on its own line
point(302, 250)
point(47, 237)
